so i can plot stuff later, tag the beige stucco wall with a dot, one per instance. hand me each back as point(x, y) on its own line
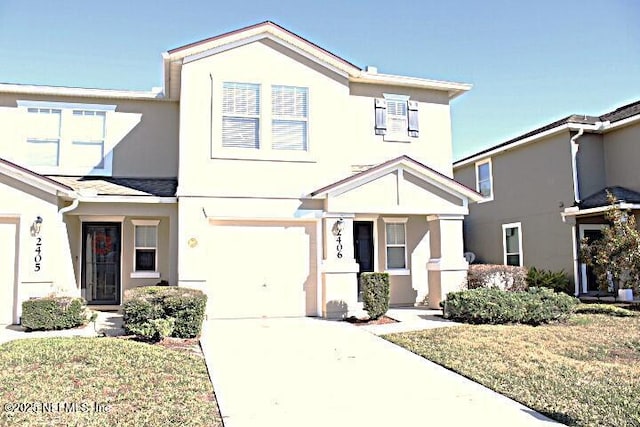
point(167, 214)
point(341, 127)
point(532, 185)
point(621, 154)
point(22, 203)
point(144, 133)
point(590, 161)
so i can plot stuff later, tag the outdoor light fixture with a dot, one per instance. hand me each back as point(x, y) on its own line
point(36, 226)
point(338, 227)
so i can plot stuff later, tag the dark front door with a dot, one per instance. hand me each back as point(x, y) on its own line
point(363, 246)
point(592, 283)
point(101, 262)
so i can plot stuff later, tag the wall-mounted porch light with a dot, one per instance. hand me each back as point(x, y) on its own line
point(36, 227)
point(338, 227)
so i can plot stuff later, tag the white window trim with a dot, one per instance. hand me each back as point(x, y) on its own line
point(396, 271)
point(294, 118)
point(65, 141)
point(145, 274)
point(504, 241)
point(477, 168)
point(583, 267)
point(265, 152)
point(396, 136)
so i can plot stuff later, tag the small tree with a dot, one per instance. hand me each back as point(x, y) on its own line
point(615, 258)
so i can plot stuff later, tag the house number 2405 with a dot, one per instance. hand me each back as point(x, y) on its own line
point(38, 258)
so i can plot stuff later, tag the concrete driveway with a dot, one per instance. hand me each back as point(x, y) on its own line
point(311, 372)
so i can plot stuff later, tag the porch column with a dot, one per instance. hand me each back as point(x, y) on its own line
point(339, 269)
point(447, 266)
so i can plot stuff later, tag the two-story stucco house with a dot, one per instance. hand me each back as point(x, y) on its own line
point(546, 190)
point(267, 172)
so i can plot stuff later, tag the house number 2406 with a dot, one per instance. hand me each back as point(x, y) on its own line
point(339, 244)
point(38, 258)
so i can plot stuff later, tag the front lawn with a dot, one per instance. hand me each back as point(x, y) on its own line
point(584, 373)
point(103, 382)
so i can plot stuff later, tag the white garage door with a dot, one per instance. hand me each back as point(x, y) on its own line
point(261, 270)
point(7, 271)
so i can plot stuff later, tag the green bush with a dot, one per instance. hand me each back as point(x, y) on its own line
point(556, 280)
point(495, 306)
point(608, 309)
point(155, 329)
point(375, 288)
point(145, 305)
point(51, 313)
point(505, 277)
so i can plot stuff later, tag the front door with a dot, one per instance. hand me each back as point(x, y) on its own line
point(363, 248)
point(101, 262)
point(589, 281)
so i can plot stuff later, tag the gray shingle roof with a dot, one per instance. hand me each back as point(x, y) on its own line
point(108, 186)
point(618, 114)
point(599, 198)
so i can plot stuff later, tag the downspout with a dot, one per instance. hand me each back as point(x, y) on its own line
point(574, 164)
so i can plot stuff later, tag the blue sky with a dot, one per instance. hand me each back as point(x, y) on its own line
point(530, 62)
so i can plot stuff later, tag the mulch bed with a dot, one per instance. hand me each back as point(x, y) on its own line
point(381, 321)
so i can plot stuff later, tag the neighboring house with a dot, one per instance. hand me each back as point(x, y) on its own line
point(546, 190)
point(297, 171)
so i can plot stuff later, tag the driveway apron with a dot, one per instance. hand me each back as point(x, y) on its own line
point(311, 372)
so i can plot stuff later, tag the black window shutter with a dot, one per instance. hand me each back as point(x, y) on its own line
point(381, 116)
point(412, 109)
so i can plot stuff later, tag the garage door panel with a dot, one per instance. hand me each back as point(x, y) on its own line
point(7, 272)
point(261, 270)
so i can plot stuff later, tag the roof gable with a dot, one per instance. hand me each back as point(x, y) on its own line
point(422, 176)
point(175, 58)
point(33, 179)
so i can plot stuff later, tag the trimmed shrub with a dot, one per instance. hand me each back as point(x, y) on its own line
point(495, 306)
point(556, 280)
point(607, 309)
point(52, 313)
point(146, 305)
point(505, 277)
point(375, 290)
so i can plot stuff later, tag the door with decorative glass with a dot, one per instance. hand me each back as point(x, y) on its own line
point(101, 262)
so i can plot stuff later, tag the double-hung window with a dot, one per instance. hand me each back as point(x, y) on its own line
point(397, 121)
point(145, 249)
point(484, 179)
point(241, 115)
point(396, 243)
point(512, 243)
point(43, 140)
point(396, 118)
point(289, 108)
point(87, 132)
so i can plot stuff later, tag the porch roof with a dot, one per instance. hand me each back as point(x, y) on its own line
point(599, 198)
point(109, 186)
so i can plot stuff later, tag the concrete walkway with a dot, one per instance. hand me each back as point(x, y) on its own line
point(311, 372)
point(410, 319)
point(107, 323)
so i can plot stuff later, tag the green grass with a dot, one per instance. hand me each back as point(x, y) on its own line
point(140, 384)
point(585, 372)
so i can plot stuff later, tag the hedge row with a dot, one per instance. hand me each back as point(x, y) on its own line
point(52, 313)
point(154, 312)
point(495, 306)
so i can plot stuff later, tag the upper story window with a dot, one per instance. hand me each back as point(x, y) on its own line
point(43, 138)
point(241, 115)
point(396, 118)
point(264, 122)
point(87, 132)
point(484, 179)
point(289, 109)
point(512, 243)
point(66, 138)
